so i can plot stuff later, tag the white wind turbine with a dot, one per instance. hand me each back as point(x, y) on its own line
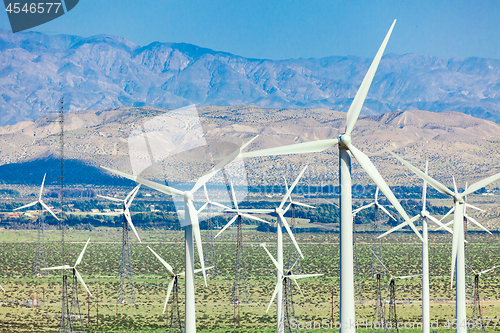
point(424, 214)
point(127, 202)
point(377, 206)
point(239, 214)
point(281, 221)
point(458, 255)
point(175, 277)
point(191, 228)
point(40, 202)
point(284, 275)
point(75, 271)
point(347, 311)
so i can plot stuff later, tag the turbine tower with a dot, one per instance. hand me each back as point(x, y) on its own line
point(285, 277)
point(191, 228)
point(347, 311)
point(41, 251)
point(127, 292)
point(458, 254)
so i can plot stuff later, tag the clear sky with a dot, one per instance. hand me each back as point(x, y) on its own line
point(280, 29)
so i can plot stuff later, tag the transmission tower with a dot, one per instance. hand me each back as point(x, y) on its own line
point(126, 293)
point(392, 321)
point(75, 314)
point(240, 284)
point(477, 311)
point(41, 251)
point(288, 308)
point(379, 314)
point(65, 325)
point(175, 318)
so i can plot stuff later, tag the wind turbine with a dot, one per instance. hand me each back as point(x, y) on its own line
point(458, 255)
point(191, 228)
point(281, 221)
point(347, 312)
point(424, 214)
point(377, 206)
point(75, 271)
point(174, 282)
point(40, 202)
point(477, 310)
point(127, 202)
point(284, 276)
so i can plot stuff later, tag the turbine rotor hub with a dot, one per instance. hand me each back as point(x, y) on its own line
point(345, 140)
point(280, 211)
point(188, 196)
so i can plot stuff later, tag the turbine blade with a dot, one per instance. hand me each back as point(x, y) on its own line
point(110, 198)
point(56, 267)
point(79, 277)
point(26, 206)
point(200, 270)
point(49, 210)
point(193, 216)
point(290, 190)
point(298, 148)
point(302, 276)
point(298, 287)
point(227, 225)
point(480, 184)
point(206, 192)
point(454, 184)
point(255, 218)
point(131, 225)
point(219, 205)
point(202, 207)
point(276, 289)
point(449, 212)
point(359, 99)
point(159, 187)
point(406, 276)
point(2, 289)
point(235, 203)
point(80, 257)
point(357, 210)
point(41, 188)
point(131, 198)
point(439, 223)
point(474, 207)
point(287, 227)
point(280, 269)
point(167, 266)
point(434, 183)
point(169, 290)
point(477, 223)
point(205, 178)
point(302, 205)
point(386, 211)
point(254, 211)
point(489, 269)
point(370, 169)
point(402, 225)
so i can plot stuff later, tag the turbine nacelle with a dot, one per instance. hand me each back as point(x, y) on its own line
point(280, 211)
point(188, 196)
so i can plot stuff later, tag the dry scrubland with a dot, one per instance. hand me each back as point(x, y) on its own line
point(214, 311)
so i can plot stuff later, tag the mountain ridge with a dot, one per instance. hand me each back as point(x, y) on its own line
point(101, 72)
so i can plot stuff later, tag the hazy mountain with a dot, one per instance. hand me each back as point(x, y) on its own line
point(455, 144)
point(103, 72)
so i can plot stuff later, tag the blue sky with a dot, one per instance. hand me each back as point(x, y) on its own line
point(292, 29)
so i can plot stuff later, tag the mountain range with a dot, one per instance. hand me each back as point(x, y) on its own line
point(106, 72)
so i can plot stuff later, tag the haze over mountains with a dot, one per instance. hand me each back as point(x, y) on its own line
point(102, 72)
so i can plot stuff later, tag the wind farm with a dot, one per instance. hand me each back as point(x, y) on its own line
point(246, 182)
